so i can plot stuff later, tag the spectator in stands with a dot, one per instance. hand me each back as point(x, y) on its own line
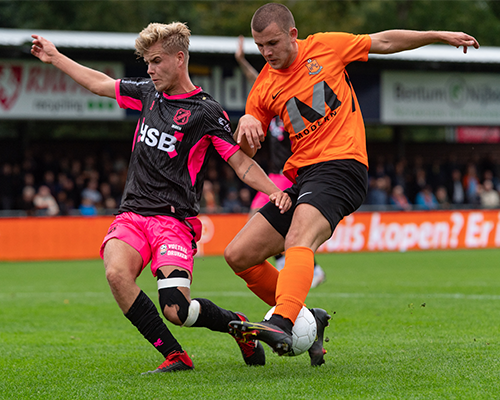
point(229, 184)
point(245, 196)
point(26, 203)
point(442, 197)
point(471, 183)
point(6, 184)
point(231, 202)
point(399, 176)
point(456, 190)
point(399, 200)
point(45, 203)
point(488, 196)
point(49, 180)
point(91, 193)
point(489, 175)
point(108, 202)
point(87, 207)
point(378, 191)
point(420, 181)
point(425, 199)
point(209, 201)
point(116, 185)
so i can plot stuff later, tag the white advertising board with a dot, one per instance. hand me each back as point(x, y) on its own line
point(440, 98)
point(34, 90)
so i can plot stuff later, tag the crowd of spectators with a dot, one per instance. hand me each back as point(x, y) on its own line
point(45, 185)
point(441, 184)
point(92, 184)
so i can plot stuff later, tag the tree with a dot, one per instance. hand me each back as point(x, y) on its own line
point(480, 18)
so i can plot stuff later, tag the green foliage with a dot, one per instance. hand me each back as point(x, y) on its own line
point(416, 325)
point(480, 18)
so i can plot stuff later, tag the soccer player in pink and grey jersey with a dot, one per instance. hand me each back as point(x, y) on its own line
point(179, 127)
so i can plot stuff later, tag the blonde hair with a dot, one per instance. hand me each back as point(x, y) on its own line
point(174, 38)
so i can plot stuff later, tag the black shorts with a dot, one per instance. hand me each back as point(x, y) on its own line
point(336, 188)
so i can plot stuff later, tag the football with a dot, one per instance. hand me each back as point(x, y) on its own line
point(303, 332)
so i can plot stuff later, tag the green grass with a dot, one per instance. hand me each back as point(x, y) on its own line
point(415, 325)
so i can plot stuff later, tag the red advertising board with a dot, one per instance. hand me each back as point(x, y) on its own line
point(80, 237)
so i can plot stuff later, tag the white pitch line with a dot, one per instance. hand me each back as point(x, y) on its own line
point(458, 296)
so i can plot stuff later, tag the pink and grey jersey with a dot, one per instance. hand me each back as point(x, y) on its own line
point(174, 139)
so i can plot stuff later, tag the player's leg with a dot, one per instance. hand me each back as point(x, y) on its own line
point(123, 265)
point(293, 283)
point(326, 193)
point(126, 251)
point(178, 307)
point(248, 252)
point(308, 230)
point(319, 275)
point(174, 247)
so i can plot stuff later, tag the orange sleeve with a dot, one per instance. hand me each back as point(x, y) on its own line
point(256, 104)
point(349, 47)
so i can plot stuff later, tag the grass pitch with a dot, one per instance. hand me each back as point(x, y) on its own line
point(415, 325)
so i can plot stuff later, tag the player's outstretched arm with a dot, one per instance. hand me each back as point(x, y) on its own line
point(393, 41)
point(95, 81)
point(254, 176)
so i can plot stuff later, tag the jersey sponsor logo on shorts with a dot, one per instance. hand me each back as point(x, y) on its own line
point(163, 141)
point(182, 116)
point(174, 250)
point(313, 67)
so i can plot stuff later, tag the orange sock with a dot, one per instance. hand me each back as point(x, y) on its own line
point(261, 279)
point(294, 282)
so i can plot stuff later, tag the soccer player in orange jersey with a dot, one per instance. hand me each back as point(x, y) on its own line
point(279, 152)
point(305, 83)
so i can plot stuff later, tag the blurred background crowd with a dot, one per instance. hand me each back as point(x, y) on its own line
point(88, 182)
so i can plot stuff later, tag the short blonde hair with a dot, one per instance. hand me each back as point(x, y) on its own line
point(174, 36)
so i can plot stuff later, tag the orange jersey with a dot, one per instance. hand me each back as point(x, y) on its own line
point(315, 100)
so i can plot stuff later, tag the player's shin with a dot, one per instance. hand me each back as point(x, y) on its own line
point(205, 314)
point(145, 317)
point(262, 279)
point(294, 282)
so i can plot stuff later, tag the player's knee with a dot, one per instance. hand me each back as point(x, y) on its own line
point(173, 303)
point(114, 274)
point(234, 258)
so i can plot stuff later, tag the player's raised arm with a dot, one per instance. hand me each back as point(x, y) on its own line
point(250, 72)
point(95, 81)
point(393, 41)
point(254, 176)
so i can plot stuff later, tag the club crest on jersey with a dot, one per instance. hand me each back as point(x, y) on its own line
point(313, 67)
point(182, 116)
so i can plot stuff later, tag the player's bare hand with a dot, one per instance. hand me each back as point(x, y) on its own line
point(43, 49)
point(281, 200)
point(251, 128)
point(459, 39)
